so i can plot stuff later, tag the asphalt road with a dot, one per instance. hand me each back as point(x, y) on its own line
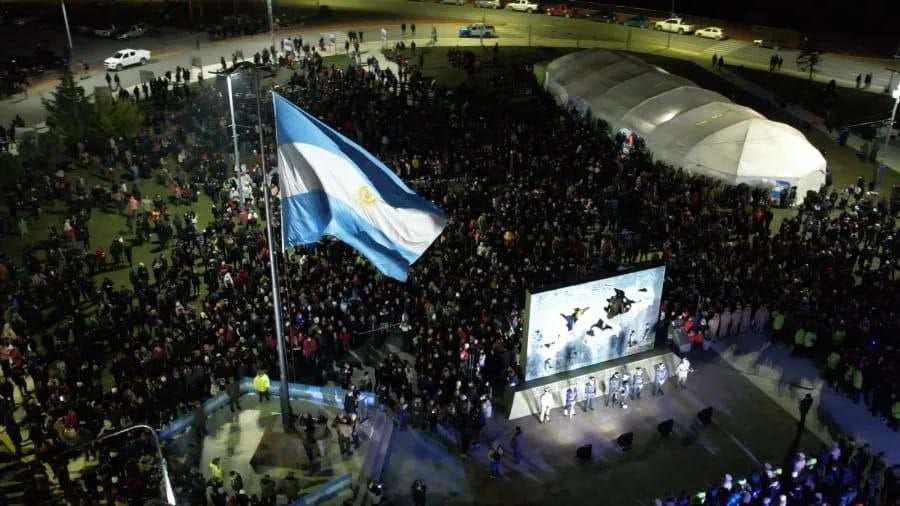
point(176, 48)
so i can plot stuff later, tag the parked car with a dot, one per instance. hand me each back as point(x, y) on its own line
point(453, 2)
point(134, 32)
point(561, 10)
point(638, 22)
point(605, 17)
point(127, 58)
point(766, 43)
point(488, 4)
point(674, 25)
point(478, 30)
point(711, 32)
point(523, 6)
point(106, 32)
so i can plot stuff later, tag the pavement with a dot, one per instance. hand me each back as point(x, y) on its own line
point(748, 429)
point(234, 437)
point(784, 379)
point(753, 387)
point(172, 48)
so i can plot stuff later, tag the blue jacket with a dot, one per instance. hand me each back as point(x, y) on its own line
point(661, 374)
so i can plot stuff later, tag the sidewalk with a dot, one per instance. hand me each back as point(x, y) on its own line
point(786, 379)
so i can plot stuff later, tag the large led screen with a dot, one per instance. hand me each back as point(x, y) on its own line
point(585, 324)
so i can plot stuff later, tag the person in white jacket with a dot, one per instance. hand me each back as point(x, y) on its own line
point(545, 403)
point(682, 371)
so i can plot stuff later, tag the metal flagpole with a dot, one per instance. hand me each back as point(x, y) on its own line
point(273, 271)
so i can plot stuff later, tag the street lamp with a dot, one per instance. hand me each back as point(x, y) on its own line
point(62, 4)
point(237, 154)
point(164, 469)
point(890, 127)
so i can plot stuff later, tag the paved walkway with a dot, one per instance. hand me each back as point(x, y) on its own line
point(785, 379)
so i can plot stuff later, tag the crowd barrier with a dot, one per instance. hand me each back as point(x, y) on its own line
point(323, 396)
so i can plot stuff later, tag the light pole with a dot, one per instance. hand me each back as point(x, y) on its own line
point(167, 485)
point(887, 136)
point(234, 135)
point(62, 4)
point(271, 28)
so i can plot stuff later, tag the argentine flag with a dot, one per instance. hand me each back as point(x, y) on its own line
point(331, 186)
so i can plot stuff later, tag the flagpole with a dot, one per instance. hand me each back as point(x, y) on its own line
point(273, 272)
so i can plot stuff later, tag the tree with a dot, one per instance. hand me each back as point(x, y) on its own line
point(38, 149)
point(10, 169)
point(69, 111)
point(119, 118)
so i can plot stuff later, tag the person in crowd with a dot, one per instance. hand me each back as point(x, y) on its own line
point(570, 403)
point(590, 391)
point(681, 372)
point(546, 404)
point(197, 309)
point(661, 373)
point(261, 386)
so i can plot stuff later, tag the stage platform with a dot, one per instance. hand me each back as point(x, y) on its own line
point(523, 400)
point(747, 430)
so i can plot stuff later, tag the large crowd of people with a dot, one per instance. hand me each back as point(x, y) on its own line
point(535, 195)
point(844, 473)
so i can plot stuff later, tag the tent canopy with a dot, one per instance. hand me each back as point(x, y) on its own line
point(685, 125)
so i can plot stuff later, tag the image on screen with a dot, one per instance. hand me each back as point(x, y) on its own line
point(585, 324)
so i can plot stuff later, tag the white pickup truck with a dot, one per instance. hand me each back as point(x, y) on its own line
point(126, 58)
point(674, 25)
point(523, 6)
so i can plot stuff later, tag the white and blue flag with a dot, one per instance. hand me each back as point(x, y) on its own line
point(332, 186)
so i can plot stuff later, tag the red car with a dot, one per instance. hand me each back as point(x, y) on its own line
point(561, 10)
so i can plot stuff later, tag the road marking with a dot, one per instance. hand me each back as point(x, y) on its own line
point(742, 447)
point(725, 47)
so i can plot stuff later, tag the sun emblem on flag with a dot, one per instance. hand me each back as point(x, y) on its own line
point(365, 195)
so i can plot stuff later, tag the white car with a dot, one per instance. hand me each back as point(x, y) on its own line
point(126, 58)
point(488, 4)
point(133, 32)
point(478, 30)
point(711, 32)
point(523, 6)
point(674, 25)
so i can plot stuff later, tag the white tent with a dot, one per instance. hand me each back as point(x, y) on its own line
point(685, 125)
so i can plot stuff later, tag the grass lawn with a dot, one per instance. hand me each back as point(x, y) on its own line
point(104, 225)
